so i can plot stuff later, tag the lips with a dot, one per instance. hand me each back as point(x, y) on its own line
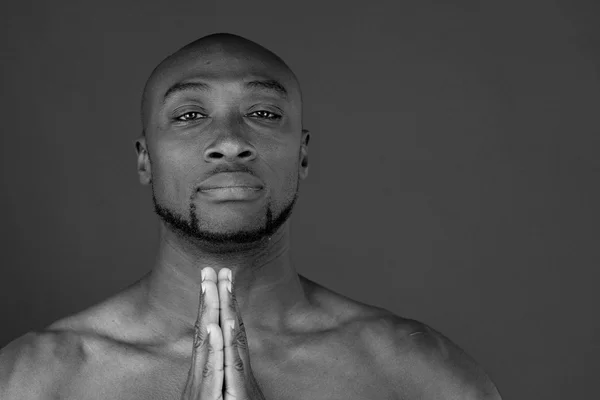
point(231, 179)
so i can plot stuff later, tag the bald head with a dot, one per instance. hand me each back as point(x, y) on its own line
point(218, 55)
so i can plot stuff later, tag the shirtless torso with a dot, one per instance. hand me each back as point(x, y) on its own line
point(343, 350)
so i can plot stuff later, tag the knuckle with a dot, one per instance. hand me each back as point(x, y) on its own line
point(207, 371)
point(238, 365)
point(240, 340)
point(209, 365)
point(200, 337)
point(210, 368)
point(241, 324)
point(210, 349)
point(203, 305)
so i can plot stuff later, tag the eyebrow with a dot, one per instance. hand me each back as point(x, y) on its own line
point(268, 85)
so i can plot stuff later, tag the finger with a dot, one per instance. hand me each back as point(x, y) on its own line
point(200, 353)
point(226, 297)
point(208, 311)
point(230, 310)
point(209, 273)
point(234, 366)
point(208, 376)
point(237, 358)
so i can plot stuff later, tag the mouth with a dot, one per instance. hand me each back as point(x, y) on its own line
point(231, 187)
point(231, 180)
point(228, 193)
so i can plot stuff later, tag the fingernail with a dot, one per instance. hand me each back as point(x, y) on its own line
point(230, 276)
point(229, 286)
point(203, 288)
point(203, 274)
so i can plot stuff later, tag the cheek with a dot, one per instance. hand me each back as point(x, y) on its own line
point(290, 176)
point(174, 177)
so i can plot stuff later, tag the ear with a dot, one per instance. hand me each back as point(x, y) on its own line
point(304, 154)
point(144, 166)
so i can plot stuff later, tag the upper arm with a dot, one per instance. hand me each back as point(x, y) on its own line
point(17, 363)
point(421, 361)
point(31, 366)
point(455, 374)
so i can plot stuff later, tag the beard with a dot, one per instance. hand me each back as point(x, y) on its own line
point(191, 228)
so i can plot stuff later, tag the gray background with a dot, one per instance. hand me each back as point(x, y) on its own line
point(454, 164)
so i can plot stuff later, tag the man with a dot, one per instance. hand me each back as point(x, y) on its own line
point(223, 312)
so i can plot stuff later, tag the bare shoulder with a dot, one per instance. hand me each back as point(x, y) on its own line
point(36, 365)
point(32, 365)
point(418, 358)
point(414, 357)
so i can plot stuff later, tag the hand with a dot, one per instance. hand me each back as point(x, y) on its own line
point(220, 358)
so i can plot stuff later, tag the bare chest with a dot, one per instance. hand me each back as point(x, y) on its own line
point(325, 375)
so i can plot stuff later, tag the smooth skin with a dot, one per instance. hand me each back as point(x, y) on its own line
point(160, 338)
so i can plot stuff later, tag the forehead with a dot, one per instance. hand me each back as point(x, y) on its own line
point(222, 67)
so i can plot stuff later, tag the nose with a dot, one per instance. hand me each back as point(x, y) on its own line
point(230, 145)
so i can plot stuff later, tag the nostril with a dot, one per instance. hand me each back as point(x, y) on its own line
point(217, 155)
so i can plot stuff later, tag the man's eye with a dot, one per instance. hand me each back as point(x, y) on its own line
point(265, 115)
point(189, 116)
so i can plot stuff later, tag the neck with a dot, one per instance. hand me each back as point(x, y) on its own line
point(266, 285)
